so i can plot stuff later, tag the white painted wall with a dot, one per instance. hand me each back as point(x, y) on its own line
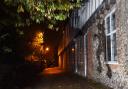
point(85, 56)
point(86, 11)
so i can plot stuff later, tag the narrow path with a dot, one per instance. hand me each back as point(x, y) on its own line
point(54, 78)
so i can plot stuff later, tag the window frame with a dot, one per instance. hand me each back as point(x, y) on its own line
point(113, 60)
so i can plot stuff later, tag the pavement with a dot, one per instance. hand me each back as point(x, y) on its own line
point(55, 78)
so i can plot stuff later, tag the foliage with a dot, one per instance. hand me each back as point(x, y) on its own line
point(36, 47)
point(42, 10)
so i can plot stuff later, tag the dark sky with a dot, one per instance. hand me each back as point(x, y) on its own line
point(52, 37)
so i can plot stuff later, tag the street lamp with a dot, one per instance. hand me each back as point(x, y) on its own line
point(47, 49)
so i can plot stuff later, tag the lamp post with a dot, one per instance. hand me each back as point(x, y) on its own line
point(45, 54)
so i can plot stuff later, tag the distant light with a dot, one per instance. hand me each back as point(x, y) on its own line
point(47, 49)
point(73, 49)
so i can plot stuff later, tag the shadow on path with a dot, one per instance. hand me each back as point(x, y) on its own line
point(54, 78)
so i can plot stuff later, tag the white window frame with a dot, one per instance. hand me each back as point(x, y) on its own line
point(112, 61)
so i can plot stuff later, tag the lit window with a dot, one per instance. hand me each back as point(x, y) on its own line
point(111, 51)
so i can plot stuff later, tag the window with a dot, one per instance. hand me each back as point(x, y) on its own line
point(111, 49)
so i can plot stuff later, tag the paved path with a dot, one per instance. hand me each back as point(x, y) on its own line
point(54, 78)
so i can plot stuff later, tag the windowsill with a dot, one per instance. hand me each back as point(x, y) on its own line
point(111, 62)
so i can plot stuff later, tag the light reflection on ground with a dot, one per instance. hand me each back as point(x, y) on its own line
point(54, 70)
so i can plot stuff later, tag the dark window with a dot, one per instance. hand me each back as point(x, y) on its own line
point(109, 48)
point(108, 25)
point(114, 46)
point(113, 22)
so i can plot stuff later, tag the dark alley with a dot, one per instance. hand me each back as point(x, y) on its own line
point(63, 44)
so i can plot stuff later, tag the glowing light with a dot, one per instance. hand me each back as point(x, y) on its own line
point(73, 49)
point(54, 70)
point(36, 45)
point(37, 41)
point(47, 49)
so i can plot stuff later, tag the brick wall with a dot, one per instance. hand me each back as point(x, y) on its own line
point(89, 55)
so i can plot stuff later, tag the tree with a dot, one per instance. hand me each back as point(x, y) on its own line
point(48, 11)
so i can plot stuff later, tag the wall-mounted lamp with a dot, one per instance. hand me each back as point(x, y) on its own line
point(73, 49)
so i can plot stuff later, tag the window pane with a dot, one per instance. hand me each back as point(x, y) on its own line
point(108, 25)
point(108, 48)
point(114, 46)
point(113, 22)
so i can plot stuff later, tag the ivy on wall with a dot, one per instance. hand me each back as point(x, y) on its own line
point(102, 46)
